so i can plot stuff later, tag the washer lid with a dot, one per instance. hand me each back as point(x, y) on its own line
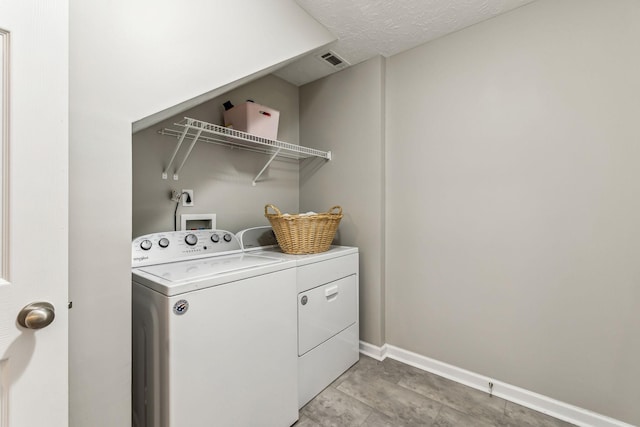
point(199, 268)
point(184, 276)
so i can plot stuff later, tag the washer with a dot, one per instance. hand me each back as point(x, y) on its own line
point(327, 306)
point(214, 333)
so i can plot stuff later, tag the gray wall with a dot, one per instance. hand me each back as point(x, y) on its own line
point(220, 177)
point(513, 201)
point(344, 113)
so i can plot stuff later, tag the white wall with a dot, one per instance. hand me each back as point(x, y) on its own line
point(220, 177)
point(129, 60)
point(513, 201)
point(344, 113)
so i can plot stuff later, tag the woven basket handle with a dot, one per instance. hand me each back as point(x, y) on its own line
point(266, 207)
point(335, 207)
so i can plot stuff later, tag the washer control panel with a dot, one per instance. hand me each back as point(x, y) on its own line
point(170, 246)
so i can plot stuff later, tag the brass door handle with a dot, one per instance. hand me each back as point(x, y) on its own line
point(36, 315)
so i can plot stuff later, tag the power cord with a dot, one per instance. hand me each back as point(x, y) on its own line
point(175, 212)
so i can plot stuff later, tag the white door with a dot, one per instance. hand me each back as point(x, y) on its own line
point(33, 212)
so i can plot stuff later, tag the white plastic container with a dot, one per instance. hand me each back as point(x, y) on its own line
point(253, 118)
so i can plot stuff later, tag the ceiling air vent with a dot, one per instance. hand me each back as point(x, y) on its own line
point(333, 60)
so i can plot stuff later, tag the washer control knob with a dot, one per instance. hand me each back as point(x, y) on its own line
point(227, 237)
point(191, 239)
point(145, 245)
point(215, 238)
point(164, 242)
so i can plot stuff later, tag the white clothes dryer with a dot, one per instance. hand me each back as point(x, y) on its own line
point(327, 305)
point(214, 333)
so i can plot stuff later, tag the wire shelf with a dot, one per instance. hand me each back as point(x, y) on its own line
point(197, 130)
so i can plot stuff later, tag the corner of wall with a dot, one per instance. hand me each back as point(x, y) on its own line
point(383, 202)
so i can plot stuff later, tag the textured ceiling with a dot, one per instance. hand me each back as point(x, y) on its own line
point(366, 28)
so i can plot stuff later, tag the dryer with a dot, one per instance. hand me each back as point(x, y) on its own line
point(214, 333)
point(327, 309)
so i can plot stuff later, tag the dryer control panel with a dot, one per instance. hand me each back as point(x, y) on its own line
point(170, 246)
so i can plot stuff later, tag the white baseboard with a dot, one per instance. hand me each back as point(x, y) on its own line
point(529, 399)
point(373, 351)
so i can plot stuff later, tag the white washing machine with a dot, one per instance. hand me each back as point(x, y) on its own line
point(327, 306)
point(214, 333)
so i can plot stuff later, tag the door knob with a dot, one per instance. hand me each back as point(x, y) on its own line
point(36, 315)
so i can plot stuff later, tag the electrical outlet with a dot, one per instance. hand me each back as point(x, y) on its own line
point(187, 198)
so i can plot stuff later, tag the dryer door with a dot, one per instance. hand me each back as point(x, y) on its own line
point(325, 311)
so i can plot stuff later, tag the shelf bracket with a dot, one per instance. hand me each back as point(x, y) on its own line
point(175, 151)
point(266, 166)
point(186, 156)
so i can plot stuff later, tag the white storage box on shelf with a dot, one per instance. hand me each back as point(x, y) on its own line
point(253, 118)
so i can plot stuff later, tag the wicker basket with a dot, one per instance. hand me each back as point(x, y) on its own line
point(304, 234)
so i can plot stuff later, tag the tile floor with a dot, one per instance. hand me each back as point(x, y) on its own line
point(392, 394)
